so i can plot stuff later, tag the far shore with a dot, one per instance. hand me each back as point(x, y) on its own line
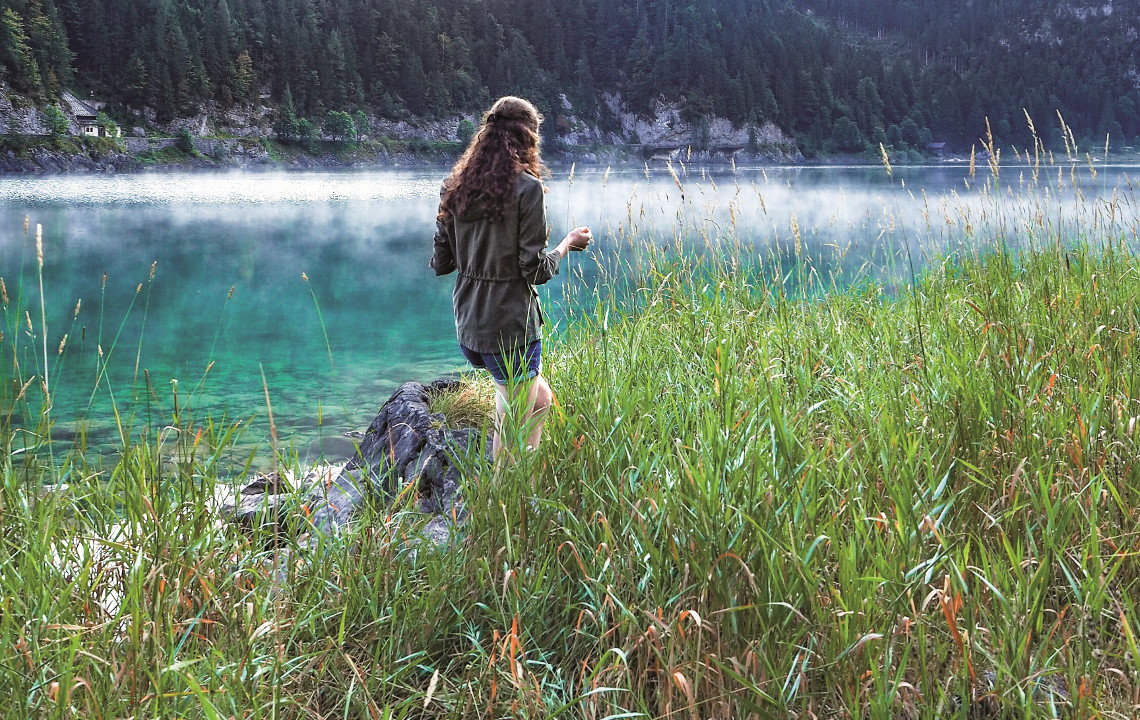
point(43, 155)
point(24, 155)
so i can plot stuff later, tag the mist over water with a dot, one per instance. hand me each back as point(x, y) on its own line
point(372, 314)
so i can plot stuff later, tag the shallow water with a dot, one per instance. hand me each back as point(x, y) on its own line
point(371, 314)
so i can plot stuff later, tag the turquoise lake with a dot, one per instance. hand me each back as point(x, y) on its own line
point(229, 303)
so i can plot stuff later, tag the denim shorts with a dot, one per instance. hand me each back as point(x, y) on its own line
point(509, 364)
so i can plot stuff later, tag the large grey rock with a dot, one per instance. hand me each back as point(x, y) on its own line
point(406, 449)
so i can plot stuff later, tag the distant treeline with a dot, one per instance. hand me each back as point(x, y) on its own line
point(817, 68)
point(1003, 58)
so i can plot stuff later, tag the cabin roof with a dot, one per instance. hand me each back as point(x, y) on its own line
point(80, 109)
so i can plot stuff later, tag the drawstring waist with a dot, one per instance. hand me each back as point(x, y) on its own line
point(473, 276)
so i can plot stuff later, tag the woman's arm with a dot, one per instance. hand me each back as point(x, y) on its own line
point(536, 264)
point(443, 257)
point(443, 251)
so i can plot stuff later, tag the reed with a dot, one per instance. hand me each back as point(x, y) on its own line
point(755, 499)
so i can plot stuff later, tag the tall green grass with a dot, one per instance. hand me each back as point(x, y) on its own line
point(760, 495)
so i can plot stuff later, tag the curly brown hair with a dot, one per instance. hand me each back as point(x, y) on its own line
point(505, 145)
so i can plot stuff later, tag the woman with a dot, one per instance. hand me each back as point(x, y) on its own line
point(492, 230)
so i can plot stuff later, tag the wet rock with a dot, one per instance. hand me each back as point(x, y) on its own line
point(259, 503)
point(406, 449)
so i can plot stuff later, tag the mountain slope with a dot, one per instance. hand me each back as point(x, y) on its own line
point(837, 74)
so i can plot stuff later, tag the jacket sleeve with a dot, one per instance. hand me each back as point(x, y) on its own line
point(535, 262)
point(443, 251)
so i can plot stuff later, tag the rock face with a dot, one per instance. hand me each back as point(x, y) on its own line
point(664, 134)
point(229, 136)
point(406, 449)
point(45, 160)
point(18, 115)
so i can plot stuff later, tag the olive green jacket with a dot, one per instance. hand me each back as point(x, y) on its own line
point(499, 262)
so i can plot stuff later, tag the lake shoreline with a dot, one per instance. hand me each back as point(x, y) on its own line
point(33, 155)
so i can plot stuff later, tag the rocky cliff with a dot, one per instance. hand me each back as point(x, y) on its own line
point(237, 137)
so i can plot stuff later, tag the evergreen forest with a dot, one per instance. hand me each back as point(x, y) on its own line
point(836, 74)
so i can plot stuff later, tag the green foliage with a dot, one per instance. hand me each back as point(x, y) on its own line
point(894, 136)
point(307, 131)
point(18, 144)
point(109, 126)
point(465, 132)
point(753, 144)
point(696, 111)
point(360, 125)
point(185, 142)
point(244, 79)
point(845, 135)
point(286, 126)
point(879, 139)
point(339, 125)
point(910, 133)
point(57, 122)
point(34, 53)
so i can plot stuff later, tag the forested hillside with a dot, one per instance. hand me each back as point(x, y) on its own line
point(837, 74)
point(1004, 57)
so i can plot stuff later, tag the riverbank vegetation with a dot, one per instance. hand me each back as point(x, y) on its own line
point(771, 487)
point(22, 146)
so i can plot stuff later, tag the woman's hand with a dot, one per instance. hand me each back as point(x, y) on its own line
point(576, 240)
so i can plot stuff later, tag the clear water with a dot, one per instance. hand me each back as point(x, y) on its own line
point(371, 314)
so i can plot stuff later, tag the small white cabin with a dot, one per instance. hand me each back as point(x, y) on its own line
point(86, 114)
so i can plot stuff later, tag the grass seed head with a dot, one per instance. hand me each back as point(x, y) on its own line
point(40, 245)
point(62, 344)
point(78, 304)
point(676, 180)
point(3, 292)
point(796, 233)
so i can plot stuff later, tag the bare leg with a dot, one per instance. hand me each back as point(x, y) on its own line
point(538, 398)
point(500, 417)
